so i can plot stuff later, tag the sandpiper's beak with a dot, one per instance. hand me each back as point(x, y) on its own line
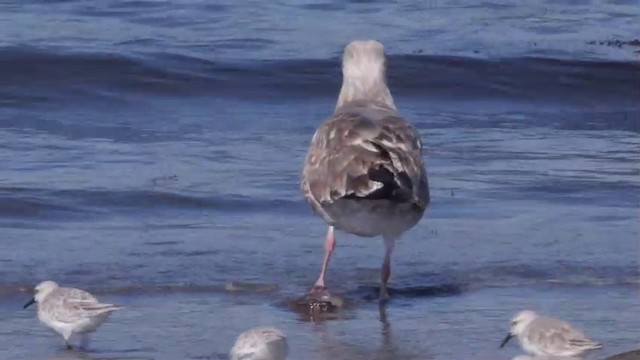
point(31, 302)
point(506, 340)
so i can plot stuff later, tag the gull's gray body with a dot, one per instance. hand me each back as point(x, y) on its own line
point(364, 172)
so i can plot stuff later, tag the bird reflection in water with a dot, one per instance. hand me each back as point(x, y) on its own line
point(332, 348)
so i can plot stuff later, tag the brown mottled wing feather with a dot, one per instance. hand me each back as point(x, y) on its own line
point(353, 156)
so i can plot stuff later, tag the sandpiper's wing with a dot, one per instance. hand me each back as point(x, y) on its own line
point(556, 337)
point(70, 305)
point(260, 343)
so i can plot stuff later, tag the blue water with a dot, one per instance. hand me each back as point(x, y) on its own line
point(150, 152)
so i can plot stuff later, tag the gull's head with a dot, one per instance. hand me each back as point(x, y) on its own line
point(265, 343)
point(41, 291)
point(363, 59)
point(519, 323)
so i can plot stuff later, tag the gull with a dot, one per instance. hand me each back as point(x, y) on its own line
point(262, 343)
point(364, 173)
point(69, 311)
point(546, 336)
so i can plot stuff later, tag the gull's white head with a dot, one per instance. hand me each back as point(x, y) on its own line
point(364, 74)
point(42, 290)
point(364, 60)
point(519, 323)
point(264, 343)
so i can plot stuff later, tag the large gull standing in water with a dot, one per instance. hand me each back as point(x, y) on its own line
point(364, 172)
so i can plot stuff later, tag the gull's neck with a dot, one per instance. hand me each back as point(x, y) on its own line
point(365, 88)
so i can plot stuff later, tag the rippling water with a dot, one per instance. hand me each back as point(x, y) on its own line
point(150, 152)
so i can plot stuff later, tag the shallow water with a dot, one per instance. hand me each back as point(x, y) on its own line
point(150, 153)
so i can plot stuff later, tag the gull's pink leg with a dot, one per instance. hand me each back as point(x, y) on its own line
point(386, 267)
point(329, 245)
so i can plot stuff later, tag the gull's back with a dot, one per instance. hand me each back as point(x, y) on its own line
point(366, 153)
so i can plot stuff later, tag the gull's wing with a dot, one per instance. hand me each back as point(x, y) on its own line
point(361, 154)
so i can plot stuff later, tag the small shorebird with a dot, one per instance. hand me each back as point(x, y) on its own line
point(69, 311)
point(547, 336)
point(364, 172)
point(262, 343)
